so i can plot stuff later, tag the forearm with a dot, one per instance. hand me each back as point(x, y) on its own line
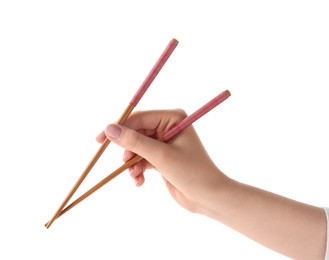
point(286, 226)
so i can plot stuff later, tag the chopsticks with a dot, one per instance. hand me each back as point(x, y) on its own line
point(132, 104)
point(165, 138)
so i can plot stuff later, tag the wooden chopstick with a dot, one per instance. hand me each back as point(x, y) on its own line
point(132, 104)
point(165, 138)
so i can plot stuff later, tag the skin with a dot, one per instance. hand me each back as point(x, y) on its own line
point(289, 227)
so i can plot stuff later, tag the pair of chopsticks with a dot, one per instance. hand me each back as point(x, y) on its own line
point(166, 137)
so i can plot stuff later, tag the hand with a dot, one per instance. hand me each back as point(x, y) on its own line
point(184, 164)
point(292, 228)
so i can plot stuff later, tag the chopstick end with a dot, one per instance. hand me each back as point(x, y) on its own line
point(175, 40)
point(47, 225)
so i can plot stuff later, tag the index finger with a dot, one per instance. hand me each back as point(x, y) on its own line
point(151, 122)
point(158, 121)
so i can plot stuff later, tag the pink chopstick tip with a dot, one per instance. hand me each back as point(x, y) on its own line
point(174, 40)
point(155, 70)
point(196, 115)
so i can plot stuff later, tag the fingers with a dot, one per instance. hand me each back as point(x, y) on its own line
point(156, 121)
point(127, 155)
point(137, 143)
point(151, 123)
point(137, 173)
point(101, 137)
point(134, 136)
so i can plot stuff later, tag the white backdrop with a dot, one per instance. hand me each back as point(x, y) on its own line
point(68, 68)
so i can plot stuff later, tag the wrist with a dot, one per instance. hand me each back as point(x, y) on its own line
point(210, 201)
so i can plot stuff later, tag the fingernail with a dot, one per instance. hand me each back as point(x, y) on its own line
point(113, 131)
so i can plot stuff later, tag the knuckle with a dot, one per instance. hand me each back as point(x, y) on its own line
point(132, 139)
point(180, 113)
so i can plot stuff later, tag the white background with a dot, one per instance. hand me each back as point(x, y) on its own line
point(68, 68)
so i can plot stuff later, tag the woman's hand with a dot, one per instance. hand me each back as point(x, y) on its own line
point(292, 228)
point(188, 171)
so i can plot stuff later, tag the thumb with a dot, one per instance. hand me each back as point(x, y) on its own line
point(148, 148)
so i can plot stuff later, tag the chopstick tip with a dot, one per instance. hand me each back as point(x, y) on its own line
point(47, 225)
point(228, 93)
point(175, 40)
